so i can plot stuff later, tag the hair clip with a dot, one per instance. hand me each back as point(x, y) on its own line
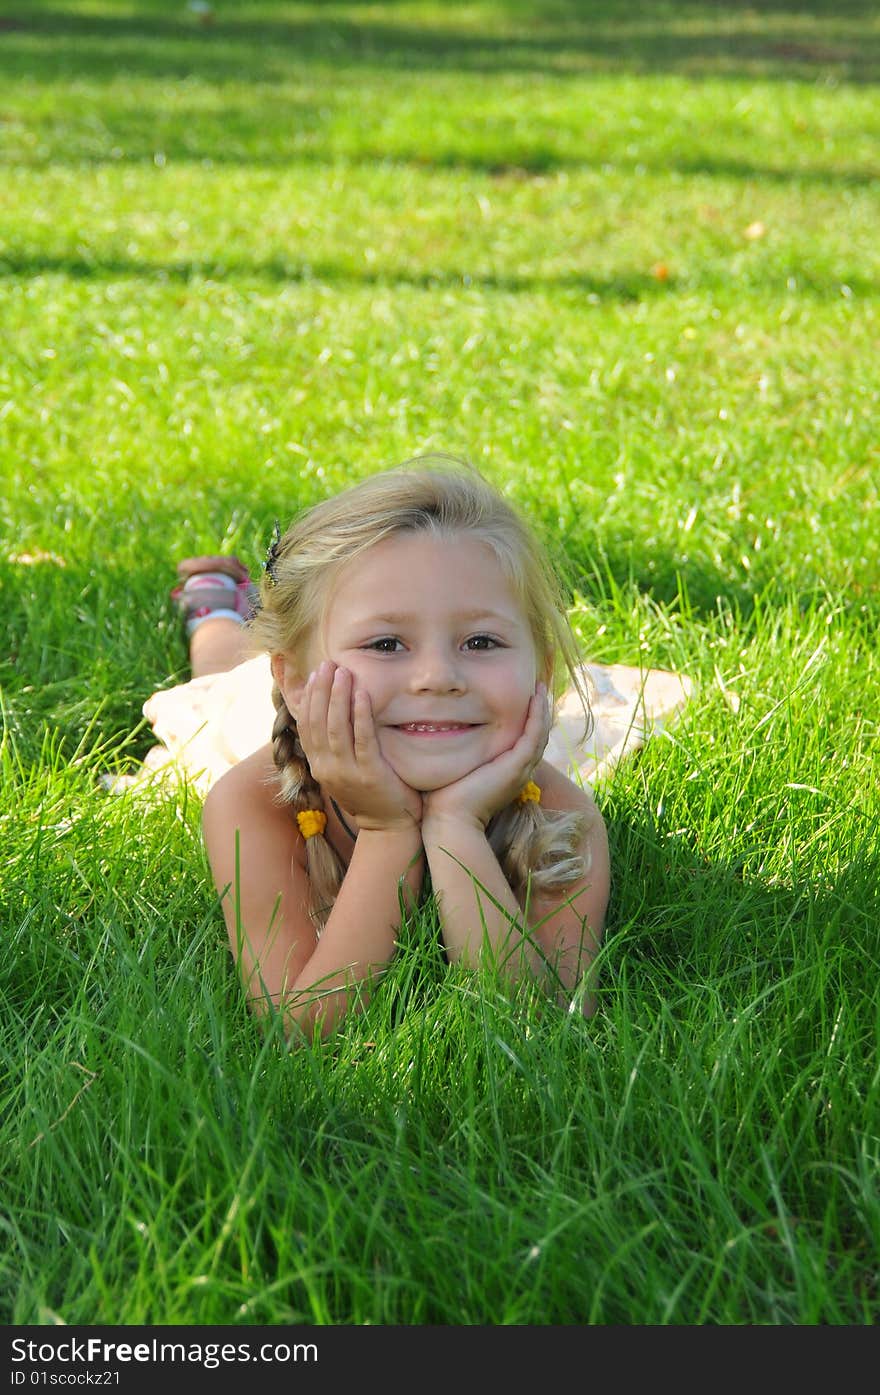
point(271, 563)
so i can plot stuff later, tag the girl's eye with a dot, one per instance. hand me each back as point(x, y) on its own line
point(482, 642)
point(384, 646)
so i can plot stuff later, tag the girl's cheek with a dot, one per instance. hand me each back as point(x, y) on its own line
point(388, 755)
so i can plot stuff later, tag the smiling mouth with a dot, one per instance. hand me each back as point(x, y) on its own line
point(435, 728)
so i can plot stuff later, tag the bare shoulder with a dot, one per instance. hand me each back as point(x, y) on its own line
point(250, 780)
point(246, 795)
point(256, 854)
point(562, 794)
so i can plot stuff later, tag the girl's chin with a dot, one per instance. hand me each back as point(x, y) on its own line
point(425, 776)
point(424, 781)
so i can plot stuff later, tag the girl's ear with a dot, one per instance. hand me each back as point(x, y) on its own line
point(288, 680)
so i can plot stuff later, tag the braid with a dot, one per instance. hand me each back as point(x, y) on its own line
point(299, 788)
point(537, 847)
point(294, 774)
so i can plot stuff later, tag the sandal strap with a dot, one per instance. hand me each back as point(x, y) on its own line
point(205, 591)
point(214, 593)
point(197, 617)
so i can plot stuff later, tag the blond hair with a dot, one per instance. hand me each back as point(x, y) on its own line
point(443, 496)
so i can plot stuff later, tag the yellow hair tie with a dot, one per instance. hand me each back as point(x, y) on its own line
point(311, 821)
point(529, 794)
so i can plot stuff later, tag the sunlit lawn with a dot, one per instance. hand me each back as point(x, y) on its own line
point(625, 259)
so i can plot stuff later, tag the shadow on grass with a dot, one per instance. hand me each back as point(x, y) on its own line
point(662, 877)
point(777, 42)
point(633, 287)
point(339, 55)
point(778, 953)
point(185, 140)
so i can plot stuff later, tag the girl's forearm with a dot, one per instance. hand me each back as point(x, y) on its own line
point(475, 901)
point(360, 935)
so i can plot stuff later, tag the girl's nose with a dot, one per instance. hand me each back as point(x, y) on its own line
point(437, 671)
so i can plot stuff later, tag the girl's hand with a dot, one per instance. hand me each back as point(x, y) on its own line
point(335, 722)
point(479, 795)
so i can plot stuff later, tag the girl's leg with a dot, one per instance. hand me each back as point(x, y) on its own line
point(215, 595)
point(217, 645)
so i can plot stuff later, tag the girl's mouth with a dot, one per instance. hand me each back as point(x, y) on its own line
point(436, 728)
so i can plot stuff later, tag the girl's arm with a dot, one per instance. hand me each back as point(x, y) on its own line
point(257, 859)
point(477, 906)
point(569, 924)
point(454, 821)
point(360, 935)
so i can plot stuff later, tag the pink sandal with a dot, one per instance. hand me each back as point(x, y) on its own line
point(214, 588)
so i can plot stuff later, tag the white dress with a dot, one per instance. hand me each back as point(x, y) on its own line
point(211, 723)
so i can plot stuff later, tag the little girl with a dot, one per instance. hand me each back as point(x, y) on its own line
point(417, 637)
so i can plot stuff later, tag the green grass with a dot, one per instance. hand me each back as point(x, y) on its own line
point(244, 263)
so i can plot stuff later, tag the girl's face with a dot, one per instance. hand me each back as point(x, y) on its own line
point(434, 632)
